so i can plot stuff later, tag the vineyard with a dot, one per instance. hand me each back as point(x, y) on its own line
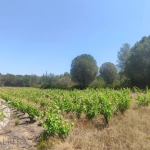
point(50, 107)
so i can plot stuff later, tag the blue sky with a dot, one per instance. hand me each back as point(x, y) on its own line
point(46, 35)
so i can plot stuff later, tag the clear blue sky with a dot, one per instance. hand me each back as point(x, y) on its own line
point(46, 35)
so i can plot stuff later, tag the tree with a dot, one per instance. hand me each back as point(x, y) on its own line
point(67, 74)
point(48, 80)
point(108, 71)
point(98, 82)
point(123, 55)
point(64, 83)
point(83, 69)
point(138, 66)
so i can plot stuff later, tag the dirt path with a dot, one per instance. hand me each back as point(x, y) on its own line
point(23, 136)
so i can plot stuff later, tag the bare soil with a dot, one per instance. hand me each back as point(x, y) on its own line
point(19, 133)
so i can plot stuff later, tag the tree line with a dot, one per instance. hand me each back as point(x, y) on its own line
point(45, 81)
point(133, 63)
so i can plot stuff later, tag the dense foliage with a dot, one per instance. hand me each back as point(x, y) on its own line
point(46, 81)
point(138, 65)
point(123, 55)
point(108, 71)
point(83, 69)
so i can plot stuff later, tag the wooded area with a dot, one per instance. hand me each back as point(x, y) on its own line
point(133, 63)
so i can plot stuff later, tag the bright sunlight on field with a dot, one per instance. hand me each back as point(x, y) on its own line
point(101, 118)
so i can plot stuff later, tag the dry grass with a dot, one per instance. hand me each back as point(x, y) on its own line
point(130, 131)
point(63, 146)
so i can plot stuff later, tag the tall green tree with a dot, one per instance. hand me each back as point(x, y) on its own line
point(138, 66)
point(83, 69)
point(123, 55)
point(108, 71)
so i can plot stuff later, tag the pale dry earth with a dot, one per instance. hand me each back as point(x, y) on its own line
point(18, 137)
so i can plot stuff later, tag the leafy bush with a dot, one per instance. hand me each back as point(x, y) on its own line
point(124, 100)
point(143, 100)
point(106, 108)
point(54, 124)
point(45, 85)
